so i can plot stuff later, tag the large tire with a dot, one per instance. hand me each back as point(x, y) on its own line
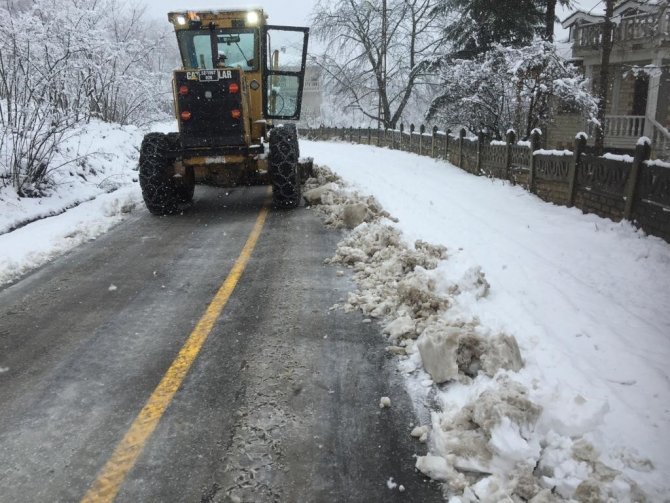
point(283, 165)
point(158, 188)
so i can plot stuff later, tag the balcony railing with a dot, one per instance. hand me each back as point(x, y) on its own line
point(628, 127)
point(630, 29)
point(623, 131)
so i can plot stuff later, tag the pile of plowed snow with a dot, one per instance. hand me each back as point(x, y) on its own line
point(488, 439)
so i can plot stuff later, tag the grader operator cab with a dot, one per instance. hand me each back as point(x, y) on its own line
point(238, 75)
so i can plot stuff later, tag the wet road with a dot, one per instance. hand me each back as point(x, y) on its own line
point(281, 403)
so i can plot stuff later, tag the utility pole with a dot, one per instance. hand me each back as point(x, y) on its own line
point(606, 44)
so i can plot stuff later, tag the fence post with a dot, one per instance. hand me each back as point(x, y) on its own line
point(580, 144)
point(461, 137)
point(534, 145)
point(510, 139)
point(402, 131)
point(385, 136)
point(432, 145)
point(369, 135)
point(411, 136)
point(422, 129)
point(481, 136)
point(379, 137)
point(642, 153)
point(446, 143)
point(360, 134)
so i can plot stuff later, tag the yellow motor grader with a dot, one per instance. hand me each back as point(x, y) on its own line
point(239, 76)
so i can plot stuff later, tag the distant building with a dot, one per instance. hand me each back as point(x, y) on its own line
point(639, 90)
point(312, 98)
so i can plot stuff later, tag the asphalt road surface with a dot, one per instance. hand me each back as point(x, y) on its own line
point(280, 402)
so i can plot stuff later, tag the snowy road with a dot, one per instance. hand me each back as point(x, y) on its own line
point(282, 402)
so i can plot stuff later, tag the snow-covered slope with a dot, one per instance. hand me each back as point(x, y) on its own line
point(92, 190)
point(586, 298)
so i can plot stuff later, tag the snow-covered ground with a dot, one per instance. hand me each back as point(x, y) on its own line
point(587, 300)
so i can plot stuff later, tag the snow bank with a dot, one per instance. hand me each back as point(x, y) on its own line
point(94, 188)
point(592, 379)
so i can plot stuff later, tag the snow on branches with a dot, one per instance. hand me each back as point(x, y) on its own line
point(67, 61)
point(507, 86)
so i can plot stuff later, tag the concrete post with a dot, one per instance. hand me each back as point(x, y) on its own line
point(535, 139)
point(511, 140)
point(642, 153)
point(580, 145)
point(461, 138)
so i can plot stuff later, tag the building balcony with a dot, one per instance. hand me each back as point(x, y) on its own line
point(643, 31)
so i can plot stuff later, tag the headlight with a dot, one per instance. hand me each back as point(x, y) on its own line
point(181, 20)
point(252, 17)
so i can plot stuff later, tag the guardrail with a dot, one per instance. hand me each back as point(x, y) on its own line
point(615, 187)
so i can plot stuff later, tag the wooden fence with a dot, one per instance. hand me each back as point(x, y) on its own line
point(615, 187)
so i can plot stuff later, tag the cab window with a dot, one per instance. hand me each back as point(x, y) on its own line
point(232, 48)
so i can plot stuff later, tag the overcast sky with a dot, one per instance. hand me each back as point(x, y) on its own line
point(295, 12)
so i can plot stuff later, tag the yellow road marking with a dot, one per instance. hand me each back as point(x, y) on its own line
point(109, 480)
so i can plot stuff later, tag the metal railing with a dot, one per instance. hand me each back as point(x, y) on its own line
point(660, 139)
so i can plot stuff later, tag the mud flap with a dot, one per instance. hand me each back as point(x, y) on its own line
point(305, 168)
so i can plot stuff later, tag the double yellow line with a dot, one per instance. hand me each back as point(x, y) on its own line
point(108, 482)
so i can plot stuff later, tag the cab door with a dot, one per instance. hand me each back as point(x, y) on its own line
point(285, 54)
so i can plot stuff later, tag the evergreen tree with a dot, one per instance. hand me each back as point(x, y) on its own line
point(476, 25)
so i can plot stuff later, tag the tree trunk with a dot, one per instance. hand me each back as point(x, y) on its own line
point(606, 44)
point(549, 19)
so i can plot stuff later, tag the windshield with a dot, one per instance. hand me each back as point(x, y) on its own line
point(233, 48)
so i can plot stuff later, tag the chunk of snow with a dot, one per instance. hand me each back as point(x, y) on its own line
point(643, 140)
point(438, 345)
point(401, 327)
point(384, 402)
point(354, 214)
point(435, 467)
point(390, 484)
point(420, 431)
point(112, 288)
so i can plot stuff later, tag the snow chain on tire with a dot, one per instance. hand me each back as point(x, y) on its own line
point(159, 191)
point(283, 165)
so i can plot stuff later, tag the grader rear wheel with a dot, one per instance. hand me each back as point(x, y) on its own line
point(158, 189)
point(283, 166)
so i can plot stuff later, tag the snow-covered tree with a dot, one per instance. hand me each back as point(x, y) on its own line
point(475, 26)
point(376, 52)
point(66, 61)
point(509, 87)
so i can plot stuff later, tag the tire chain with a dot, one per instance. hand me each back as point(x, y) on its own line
point(284, 154)
point(157, 190)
